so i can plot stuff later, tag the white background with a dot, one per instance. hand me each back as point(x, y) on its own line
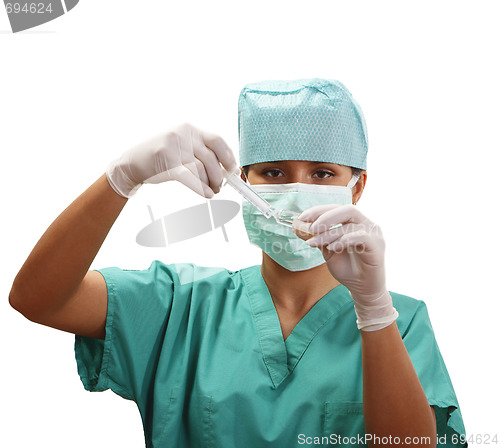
point(76, 92)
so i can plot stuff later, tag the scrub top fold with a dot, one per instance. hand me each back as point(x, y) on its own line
point(201, 352)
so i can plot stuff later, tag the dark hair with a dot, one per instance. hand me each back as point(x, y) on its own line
point(245, 171)
point(355, 171)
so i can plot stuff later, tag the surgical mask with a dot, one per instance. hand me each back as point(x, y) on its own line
point(280, 242)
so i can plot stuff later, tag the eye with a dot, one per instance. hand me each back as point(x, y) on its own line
point(323, 174)
point(271, 172)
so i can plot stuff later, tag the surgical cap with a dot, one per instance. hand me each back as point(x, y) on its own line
point(307, 119)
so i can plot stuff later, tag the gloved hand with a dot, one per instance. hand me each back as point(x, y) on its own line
point(354, 254)
point(185, 154)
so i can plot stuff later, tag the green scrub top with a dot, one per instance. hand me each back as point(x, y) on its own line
point(200, 351)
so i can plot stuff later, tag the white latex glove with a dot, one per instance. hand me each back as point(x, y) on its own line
point(354, 254)
point(185, 154)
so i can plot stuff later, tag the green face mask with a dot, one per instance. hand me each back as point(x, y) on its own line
point(280, 242)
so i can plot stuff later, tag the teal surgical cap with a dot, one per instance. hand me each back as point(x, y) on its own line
point(306, 119)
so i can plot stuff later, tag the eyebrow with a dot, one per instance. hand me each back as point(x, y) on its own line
point(309, 162)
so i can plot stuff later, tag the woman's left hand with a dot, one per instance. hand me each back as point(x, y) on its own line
point(354, 254)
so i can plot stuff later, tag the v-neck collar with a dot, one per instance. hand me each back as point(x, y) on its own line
point(281, 356)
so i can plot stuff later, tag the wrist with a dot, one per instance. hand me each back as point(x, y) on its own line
point(375, 313)
point(120, 182)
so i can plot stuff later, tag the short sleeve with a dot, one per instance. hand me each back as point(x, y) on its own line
point(139, 304)
point(424, 352)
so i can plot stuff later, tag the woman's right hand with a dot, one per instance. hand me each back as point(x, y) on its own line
point(185, 154)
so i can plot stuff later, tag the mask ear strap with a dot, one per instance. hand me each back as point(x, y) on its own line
point(353, 181)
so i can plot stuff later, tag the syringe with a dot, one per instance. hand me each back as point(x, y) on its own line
point(284, 217)
point(248, 193)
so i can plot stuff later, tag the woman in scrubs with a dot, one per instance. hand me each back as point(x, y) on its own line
point(307, 348)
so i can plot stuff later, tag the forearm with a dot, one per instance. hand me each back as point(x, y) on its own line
point(394, 403)
point(63, 255)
